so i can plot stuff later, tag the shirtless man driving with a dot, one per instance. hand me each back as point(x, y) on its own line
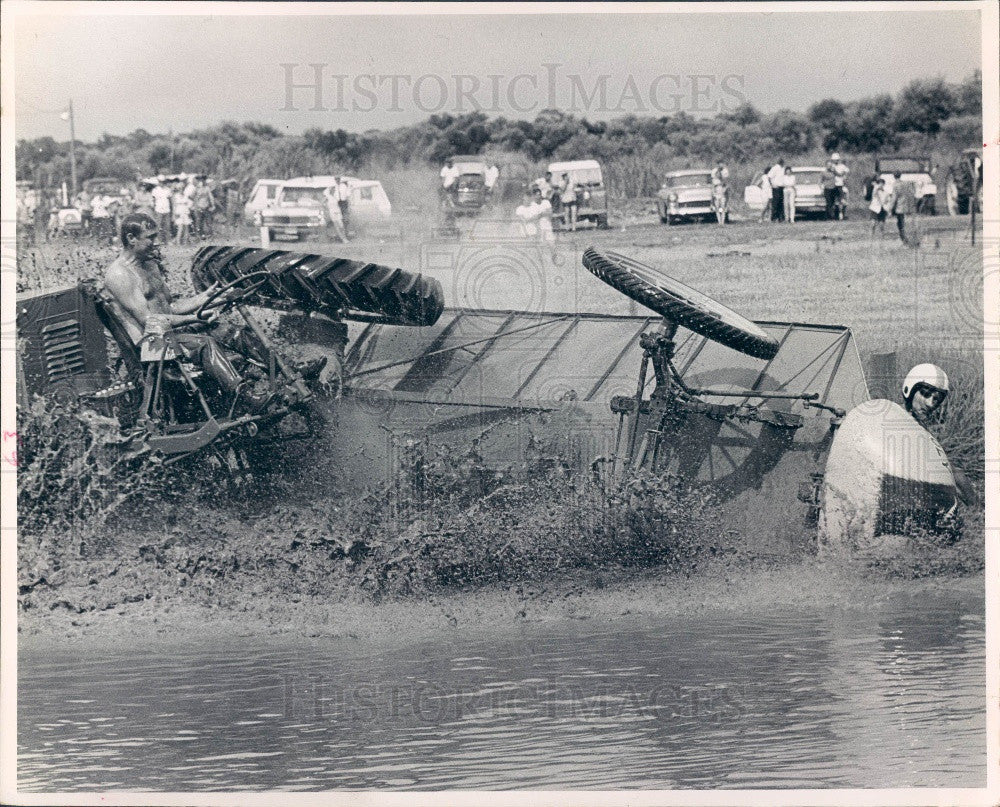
point(135, 280)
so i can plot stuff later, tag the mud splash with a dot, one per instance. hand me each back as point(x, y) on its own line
point(451, 544)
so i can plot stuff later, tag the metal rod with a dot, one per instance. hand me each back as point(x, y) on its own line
point(795, 396)
point(293, 377)
point(616, 361)
point(382, 367)
point(548, 354)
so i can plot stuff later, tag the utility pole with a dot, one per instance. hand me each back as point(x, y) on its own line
point(72, 151)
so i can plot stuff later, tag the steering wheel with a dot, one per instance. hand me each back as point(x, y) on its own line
point(213, 302)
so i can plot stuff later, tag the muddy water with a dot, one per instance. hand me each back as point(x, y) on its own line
point(882, 691)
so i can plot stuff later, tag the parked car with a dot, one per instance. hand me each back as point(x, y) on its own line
point(263, 195)
point(915, 169)
point(685, 195)
point(959, 184)
point(299, 210)
point(809, 198)
point(470, 194)
point(592, 200)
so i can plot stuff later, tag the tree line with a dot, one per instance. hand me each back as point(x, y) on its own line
point(926, 114)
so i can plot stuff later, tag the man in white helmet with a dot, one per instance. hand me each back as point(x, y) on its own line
point(924, 390)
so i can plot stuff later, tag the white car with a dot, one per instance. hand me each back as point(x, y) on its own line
point(809, 196)
point(685, 194)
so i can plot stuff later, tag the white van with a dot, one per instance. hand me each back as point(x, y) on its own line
point(368, 202)
point(263, 195)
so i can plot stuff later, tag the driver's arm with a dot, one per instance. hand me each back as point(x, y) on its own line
point(188, 305)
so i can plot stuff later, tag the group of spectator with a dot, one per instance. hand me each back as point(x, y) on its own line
point(564, 197)
point(778, 185)
point(891, 196)
point(181, 209)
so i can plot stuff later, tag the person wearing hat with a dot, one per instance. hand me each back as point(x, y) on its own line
point(840, 172)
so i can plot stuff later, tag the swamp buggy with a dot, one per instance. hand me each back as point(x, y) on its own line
point(162, 402)
point(773, 420)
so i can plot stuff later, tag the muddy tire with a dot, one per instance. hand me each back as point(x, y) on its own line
point(338, 287)
point(680, 303)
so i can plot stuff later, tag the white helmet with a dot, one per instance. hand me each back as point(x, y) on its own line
point(929, 374)
point(835, 157)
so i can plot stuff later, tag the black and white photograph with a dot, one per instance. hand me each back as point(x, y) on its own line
point(531, 403)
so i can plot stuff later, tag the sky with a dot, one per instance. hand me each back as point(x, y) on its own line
point(177, 73)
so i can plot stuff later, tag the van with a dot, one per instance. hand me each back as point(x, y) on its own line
point(263, 195)
point(592, 199)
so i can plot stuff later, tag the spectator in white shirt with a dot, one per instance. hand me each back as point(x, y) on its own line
point(161, 205)
point(788, 193)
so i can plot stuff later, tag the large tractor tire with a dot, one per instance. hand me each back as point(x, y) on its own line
point(337, 287)
point(680, 303)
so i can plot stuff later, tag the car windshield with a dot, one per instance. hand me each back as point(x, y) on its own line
point(590, 177)
point(470, 181)
point(808, 177)
point(688, 180)
point(905, 165)
point(301, 196)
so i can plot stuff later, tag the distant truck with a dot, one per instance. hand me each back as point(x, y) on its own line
point(915, 169)
point(591, 198)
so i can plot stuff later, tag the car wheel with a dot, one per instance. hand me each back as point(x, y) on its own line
point(679, 303)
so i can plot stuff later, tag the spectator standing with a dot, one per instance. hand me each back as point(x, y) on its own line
point(840, 171)
point(777, 177)
point(877, 206)
point(83, 199)
point(344, 203)
point(233, 204)
point(904, 203)
point(204, 209)
point(332, 197)
point(788, 200)
point(765, 190)
point(490, 177)
point(182, 214)
point(161, 204)
point(144, 202)
point(100, 216)
point(829, 183)
point(569, 201)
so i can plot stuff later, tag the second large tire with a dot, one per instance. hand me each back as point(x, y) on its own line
point(334, 286)
point(680, 303)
